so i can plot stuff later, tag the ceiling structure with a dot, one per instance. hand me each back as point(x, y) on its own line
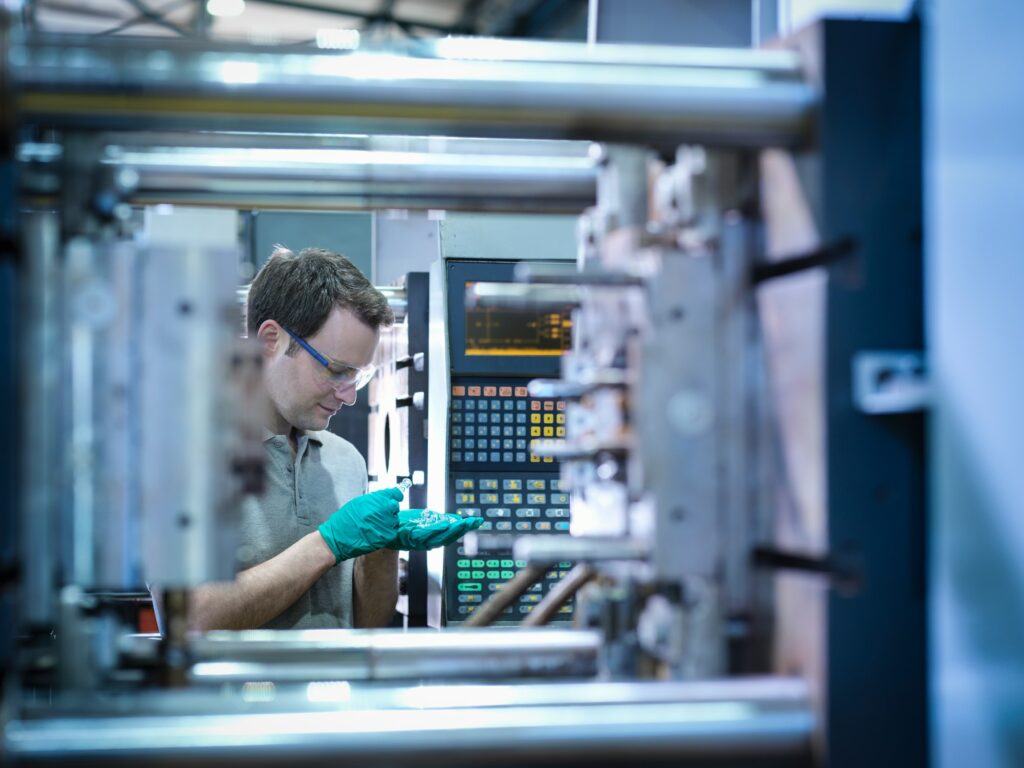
point(296, 22)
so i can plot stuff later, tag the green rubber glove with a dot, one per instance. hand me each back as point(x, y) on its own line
point(365, 524)
point(420, 529)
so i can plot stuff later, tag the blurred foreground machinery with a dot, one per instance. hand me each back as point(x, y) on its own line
point(742, 448)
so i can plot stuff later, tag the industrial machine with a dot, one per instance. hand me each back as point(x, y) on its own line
point(742, 318)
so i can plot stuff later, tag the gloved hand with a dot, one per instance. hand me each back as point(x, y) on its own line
point(420, 529)
point(365, 524)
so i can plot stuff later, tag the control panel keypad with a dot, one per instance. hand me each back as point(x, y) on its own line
point(495, 424)
point(508, 504)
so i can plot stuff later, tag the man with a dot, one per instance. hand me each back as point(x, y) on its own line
point(317, 550)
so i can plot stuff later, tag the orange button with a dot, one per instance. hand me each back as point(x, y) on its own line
point(521, 392)
point(474, 391)
point(490, 391)
point(548, 405)
point(535, 405)
point(505, 391)
point(561, 405)
point(458, 391)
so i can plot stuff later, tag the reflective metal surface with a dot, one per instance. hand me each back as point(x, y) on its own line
point(570, 91)
point(752, 721)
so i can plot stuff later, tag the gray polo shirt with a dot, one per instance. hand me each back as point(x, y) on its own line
point(301, 493)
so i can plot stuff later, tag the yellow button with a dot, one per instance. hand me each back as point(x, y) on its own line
point(534, 459)
point(559, 431)
point(549, 418)
point(548, 459)
point(549, 432)
point(560, 418)
point(535, 418)
point(534, 431)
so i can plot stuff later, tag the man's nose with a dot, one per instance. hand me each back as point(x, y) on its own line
point(346, 393)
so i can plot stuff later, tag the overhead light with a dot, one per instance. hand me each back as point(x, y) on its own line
point(337, 39)
point(225, 7)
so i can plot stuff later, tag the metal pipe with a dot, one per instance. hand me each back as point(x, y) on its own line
point(724, 722)
point(42, 394)
point(489, 611)
point(655, 96)
point(278, 656)
point(560, 594)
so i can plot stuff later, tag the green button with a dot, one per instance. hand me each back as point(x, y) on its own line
point(494, 574)
point(462, 563)
point(520, 563)
point(507, 574)
point(469, 587)
point(478, 563)
point(478, 574)
point(493, 563)
point(565, 564)
point(462, 574)
point(506, 563)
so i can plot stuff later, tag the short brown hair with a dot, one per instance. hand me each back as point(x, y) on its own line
point(299, 292)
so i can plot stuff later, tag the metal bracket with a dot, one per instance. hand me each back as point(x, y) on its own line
point(890, 382)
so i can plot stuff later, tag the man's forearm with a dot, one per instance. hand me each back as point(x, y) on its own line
point(375, 588)
point(263, 592)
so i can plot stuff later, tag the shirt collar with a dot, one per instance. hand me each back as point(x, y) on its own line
point(315, 437)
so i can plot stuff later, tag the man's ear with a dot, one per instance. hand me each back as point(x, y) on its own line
point(271, 336)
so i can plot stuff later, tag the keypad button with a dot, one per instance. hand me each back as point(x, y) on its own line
point(462, 563)
point(520, 418)
point(508, 420)
point(488, 484)
point(495, 431)
point(535, 418)
point(521, 405)
point(495, 405)
point(525, 608)
point(498, 512)
point(507, 405)
point(549, 459)
point(456, 418)
point(534, 431)
point(458, 391)
point(523, 525)
point(456, 431)
point(512, 484)
point(560, 418)
point(505, 391)
point(528, 512)
point(495, 442)
point(503, 525)
point(481, 456)
point(535, 405)
point(507, 443)
point(559, 498)
point(520, 457)
point(538, 587)
point(493, 574)
point(557, 512)
point(483, 418)
point(457, 442)
point(507, 564)
point(562, 525)
point(534, 459)
point(507, 574)
point(536, 498)
point(468, 511)
point(456, 455)
point(542, 525)
point(495, 457)
point(469, 417)
point(549, 418)
point(465, 498)
point(477, 574)
point(521, 445)
point(555, 484)
point(559, 431)
point(477, 563)
point(549, 405)
point(469, 430)
point(490, 391)
point(486, 526)
point(512, 498)
point(530, 599)
point(469, 586)
point(470, 442)
point(535, 485)
point(473, 391)
point(488, 498)
point(565, 564)
point(469, 405)
point(470, 598)
point(560, 405)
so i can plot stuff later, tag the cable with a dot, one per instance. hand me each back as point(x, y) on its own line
point(148, 18)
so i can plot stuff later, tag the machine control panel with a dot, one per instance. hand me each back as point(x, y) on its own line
point(492, 420)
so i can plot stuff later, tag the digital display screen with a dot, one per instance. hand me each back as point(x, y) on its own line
point(517, 332)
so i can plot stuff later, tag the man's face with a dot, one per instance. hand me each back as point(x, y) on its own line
point(299, 391)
